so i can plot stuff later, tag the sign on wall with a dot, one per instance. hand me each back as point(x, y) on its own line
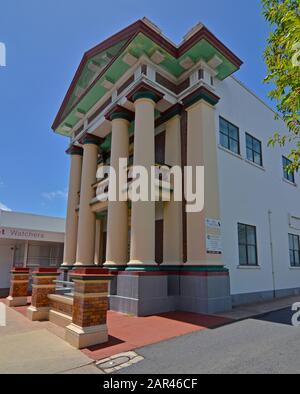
point(21, 234)
point(213, 236)
point(29, 235)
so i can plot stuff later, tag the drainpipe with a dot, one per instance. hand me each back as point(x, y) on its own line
point(272, 253)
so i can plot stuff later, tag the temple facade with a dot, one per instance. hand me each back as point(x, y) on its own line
point(141, 97)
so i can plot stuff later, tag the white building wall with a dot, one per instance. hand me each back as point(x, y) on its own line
point(44, 234)
point(6, 262)
point(33, 222)
point(248, 192)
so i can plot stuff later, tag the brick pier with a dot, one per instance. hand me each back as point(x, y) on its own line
point(19, 287)
point(90, 307)
point(43, 285)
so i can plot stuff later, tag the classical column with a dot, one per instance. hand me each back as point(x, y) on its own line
point(98, 240)
point(203, 228)
point(117, 220)
point(86, 225)
point(173, 243)
point(142, 251)
point(73, 201)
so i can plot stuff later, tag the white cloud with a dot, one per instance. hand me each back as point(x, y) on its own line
point(56, 194)
point(4, 207)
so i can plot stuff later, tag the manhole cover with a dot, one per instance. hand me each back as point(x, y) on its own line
point(119, 361)
point(114, 363)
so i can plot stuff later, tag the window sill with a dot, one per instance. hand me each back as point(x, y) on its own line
point(238, 156)
point(289, 182)
point(248, 267)
point(255, 165)
point(294, 268)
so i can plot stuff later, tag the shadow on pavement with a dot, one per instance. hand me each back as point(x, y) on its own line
point(283, 316)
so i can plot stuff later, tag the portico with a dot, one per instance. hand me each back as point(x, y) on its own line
point(151, 102)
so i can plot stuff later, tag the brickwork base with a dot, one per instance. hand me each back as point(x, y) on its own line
point(38, 314)
point(82, 338)
point(16, 301)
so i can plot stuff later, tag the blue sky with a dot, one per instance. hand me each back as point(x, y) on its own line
point(45, 41)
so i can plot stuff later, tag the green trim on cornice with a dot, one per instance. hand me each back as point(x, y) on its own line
point(140, 44)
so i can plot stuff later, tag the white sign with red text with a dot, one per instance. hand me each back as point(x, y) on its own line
point(29, 235)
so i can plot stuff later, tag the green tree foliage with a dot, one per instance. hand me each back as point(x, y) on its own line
point(282, 57)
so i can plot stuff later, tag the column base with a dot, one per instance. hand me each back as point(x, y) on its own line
point(81, 338)
point(16, 301)
point(38, 314)
point(135, 265)
point(114, 266)
point(141, 293)
point(203, 290)
point(141, 264)
point(66, 267)
point(79, 266)
point(171, 265)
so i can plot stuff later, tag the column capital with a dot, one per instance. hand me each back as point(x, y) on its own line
point(175, 110)
point(74, 150)
point(200, 94)
point(119, 112)
point(91, 139)
point(144, 91)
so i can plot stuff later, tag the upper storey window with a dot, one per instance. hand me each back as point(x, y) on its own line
point(229, 136)
point(288, 175)
point(254, 150)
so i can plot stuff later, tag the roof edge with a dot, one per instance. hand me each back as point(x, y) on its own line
point(140, 26)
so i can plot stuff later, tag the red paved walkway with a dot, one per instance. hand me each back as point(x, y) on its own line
point(129, 333)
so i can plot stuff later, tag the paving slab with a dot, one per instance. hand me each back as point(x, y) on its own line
point(85, 370)
point(38, 352)
point(253, 310)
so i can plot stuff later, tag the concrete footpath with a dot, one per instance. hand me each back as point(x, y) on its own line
point(27, 347)
point(254, 310)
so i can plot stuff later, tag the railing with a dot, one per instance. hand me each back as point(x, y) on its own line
point(65, 288)
point(162, 173)
point(162, 182)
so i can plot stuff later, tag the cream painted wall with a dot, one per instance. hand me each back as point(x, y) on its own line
point(248, 193)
